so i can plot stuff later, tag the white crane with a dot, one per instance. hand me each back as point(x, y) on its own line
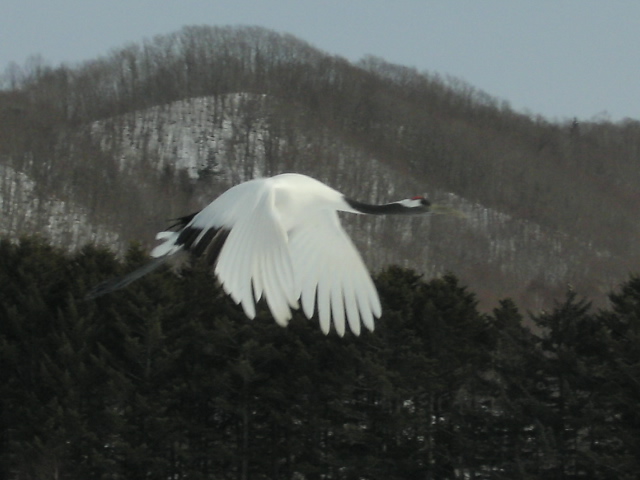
point(280, 239)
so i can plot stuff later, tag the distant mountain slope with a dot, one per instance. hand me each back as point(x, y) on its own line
point(108, 151)
point(25, 211)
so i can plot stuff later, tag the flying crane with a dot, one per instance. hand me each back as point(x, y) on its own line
point(280, 238)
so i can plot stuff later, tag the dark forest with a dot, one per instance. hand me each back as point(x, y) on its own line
point(168, 379)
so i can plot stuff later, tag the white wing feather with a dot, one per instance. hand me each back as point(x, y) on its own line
point(254, 261)
point(331, 274)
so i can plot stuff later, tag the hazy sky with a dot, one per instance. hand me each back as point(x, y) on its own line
point(557, 58)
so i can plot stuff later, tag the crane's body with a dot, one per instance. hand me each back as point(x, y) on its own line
point(280, 239)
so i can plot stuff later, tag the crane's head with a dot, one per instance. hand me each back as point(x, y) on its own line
point(415, 205)
point(419, 204)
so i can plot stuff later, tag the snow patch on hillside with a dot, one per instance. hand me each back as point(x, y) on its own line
point(199, 136)
point(230, 137)
point(23, 212)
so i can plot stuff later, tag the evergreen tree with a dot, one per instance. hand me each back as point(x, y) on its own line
point(616, 442)
point(512, 448)
point(51, 411)
point(440, 346)
point(567, 387)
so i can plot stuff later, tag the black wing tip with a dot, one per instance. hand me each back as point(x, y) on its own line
point(181, 222)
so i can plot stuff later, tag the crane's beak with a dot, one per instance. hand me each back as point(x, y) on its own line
point(438, 209)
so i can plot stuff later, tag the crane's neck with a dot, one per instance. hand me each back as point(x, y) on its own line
point(403, 207)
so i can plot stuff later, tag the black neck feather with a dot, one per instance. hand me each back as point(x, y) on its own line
point(385, 209)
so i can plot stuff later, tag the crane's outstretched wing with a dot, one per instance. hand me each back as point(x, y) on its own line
point(331, 275)
point(256, 255)
point(255, 262)
point(241, 235)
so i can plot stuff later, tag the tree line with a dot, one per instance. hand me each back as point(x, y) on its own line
point(168, 379)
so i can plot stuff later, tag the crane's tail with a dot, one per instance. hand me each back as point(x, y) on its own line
point(120, 282)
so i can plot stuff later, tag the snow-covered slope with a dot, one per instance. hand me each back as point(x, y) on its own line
point(25, 211)
point(220, 141)
point(176, 158)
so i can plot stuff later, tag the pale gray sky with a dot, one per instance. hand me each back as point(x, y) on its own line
point(557, 58)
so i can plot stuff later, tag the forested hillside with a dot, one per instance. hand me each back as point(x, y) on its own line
point(106, 151)
point(168, 379)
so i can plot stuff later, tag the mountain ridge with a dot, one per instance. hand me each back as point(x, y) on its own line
point(375, 131)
